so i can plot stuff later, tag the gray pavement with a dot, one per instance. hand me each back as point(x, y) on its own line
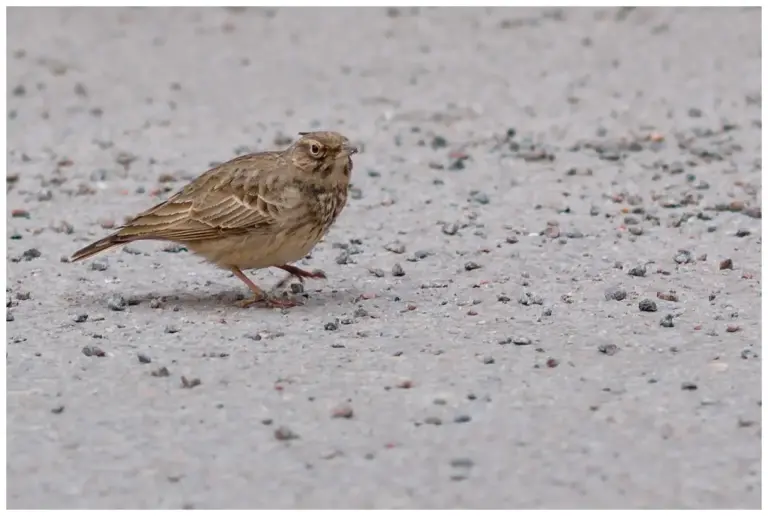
point(562, 190)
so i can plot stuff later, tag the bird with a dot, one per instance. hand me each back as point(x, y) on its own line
point(260, 210)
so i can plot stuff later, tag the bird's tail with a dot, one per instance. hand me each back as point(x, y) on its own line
point(97, 247)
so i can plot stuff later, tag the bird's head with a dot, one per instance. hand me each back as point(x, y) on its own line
point(322, 153)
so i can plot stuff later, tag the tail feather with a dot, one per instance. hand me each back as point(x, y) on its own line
point(97, 247)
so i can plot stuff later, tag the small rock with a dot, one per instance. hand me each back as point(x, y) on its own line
point(689, 386)
point(433, 420)
point(30, 254)
point(479, 197)
point(379, 273)
point(331, 326)
point(57, 410)
point(647, 305)
point(741, 233)
point(9, 316)
point(667, 321)
point(668, 296)
point(487, 359)
point(462, 418)
point(438, 142)
point(116, 303)
point(608, 349)
point(462, 463)
point(93, 351)
point(172, 329)
point(155, 303)
point(80, 318)
point(161, 372)
point(683, 257)
point(283, 433)
point(470, 266)
point(144, 359)
point(397, 270)
point(732, 328)
point(615, 293)
point(99, 265)
point(521, 341)
point(189, 384)
point(638, 271)
point(450, 228)
point(695, 113)
point(395, 247)
point(342, 411)
point(726, 264)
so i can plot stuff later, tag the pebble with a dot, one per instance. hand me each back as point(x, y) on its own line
point(462, 418)
point(470, 266)
point(131, 250)
point(726, 264)
point(462, 462)
point(638, 271)
point(155, 303)
point(438, 142)
point(683, 257)
point(190, 384)
point(283, 433)
point(743, 232)
point(379, 273)
point(450, 228)
point(342, 411)
point(689, 386)
point(331, 326)
point(608, 349)
point(30, 254)
point(9, 316)
point(80, 318)
point(99, 265)
point(93, 351)
point(479, 197)
point(397, 270)
point(526, 299)
point(647, 305)
point(521, 341)
point(615, 293)
point(161, 372)
point(116, 303)
point(488, 360)
point(433, 420)
point(667, 321)
point(395, 247)
point(172, 329)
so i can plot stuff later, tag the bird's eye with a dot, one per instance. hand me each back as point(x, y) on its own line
point(315, 150)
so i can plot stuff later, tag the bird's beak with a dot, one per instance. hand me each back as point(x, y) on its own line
point(349, 149)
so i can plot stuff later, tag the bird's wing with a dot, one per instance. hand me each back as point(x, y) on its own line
point(252, 193)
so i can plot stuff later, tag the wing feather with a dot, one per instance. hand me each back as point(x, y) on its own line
point(240, 196)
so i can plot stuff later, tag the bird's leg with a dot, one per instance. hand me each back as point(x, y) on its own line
point(299, 273)
point(259, 295)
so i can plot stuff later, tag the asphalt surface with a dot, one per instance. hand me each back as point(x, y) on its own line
point(529, 301)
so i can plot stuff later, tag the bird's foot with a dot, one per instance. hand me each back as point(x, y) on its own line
point(300, 274)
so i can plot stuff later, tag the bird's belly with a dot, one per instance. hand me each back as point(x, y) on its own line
point(257, 251)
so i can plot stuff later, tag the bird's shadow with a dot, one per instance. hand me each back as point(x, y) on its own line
point(177, 299)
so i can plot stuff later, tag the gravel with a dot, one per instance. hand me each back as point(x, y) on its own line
point(119, 108)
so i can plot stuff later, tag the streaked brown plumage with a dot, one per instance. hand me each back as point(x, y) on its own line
point(256, 211)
